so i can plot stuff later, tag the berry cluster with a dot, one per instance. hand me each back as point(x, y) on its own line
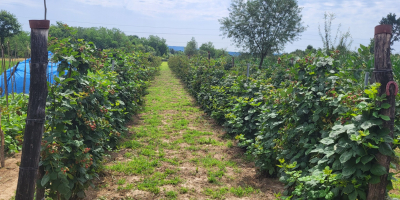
point(91, 89)
point(64, 170)
point(91, 124)
point(103, 109)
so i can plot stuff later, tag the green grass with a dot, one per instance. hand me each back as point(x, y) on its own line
point(152, 183)
point(138, 165)
point(171, 129)
point(236, 191)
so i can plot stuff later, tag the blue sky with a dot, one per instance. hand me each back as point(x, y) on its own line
point(179, 20)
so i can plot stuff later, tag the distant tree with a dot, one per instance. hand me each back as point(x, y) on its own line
point(159, 44)
point(298, 52)
point(19, 43)
point(372, 45)
point(310, 49)
point(391, 20)
point(61, 30)
point(172, 51)
point(208, 47)
point(9, 25)
point(220, 53)
point(191, 47)
point(262, 27)
point(345, 40)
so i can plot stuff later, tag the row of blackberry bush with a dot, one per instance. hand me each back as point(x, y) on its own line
point(87, 109)
point(310, 123)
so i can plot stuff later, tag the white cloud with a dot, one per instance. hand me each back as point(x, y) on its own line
point(29, 3)
point(178, 9)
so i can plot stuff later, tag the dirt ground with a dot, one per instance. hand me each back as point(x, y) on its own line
point(9, 177)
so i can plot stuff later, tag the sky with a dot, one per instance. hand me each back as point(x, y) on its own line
point(179, 20)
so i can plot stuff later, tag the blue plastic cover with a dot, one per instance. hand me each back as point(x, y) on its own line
point(19, 76)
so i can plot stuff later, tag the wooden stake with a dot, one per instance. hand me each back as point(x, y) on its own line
point(24, 84)
point(2, 158)
point(5, 72)
point(383, 75)
point(36, 111)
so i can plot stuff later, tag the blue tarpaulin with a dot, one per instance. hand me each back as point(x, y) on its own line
point(19, 76)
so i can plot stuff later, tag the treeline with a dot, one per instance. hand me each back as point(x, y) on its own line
point(114, 38)
point(192, 49)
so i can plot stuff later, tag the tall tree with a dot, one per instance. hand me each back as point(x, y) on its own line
point(391, 20)
point(262, 27)
point(9, 25)
point(191, 47)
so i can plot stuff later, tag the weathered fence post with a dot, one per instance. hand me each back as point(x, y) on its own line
point(36, 111)
point(113, 64)
point(5, 76)
point(366, 78)
point(233, 62)
point(209, 59)
point(248, 70)
point(384, 76)
point(2, 158)
point(24, 84)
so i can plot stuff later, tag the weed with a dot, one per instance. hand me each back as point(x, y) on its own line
point(121, 181)
point(183, 190)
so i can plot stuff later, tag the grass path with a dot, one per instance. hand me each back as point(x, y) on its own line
point(175, 151)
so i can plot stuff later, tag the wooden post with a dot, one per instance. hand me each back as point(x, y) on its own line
point(24, 84)
point(12, 71)
point(366, 79)
point(15, 69)
point(5, 72)
point(51, 71)
point(384, 76)
point(5, 76)
point(2, 157)
point(248, 70)
point(36, 111)
point(113, 64)
point(209, 57)
point(233, 62)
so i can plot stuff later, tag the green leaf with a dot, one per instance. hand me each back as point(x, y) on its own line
point(67, 148)
point(362, 194)
point(336, 130)
point(384, 117)
point(345, 156)
point(367, 124)
point(375, 179)
point(353, 195)
point(77, 143)
point(347, 171)
point(385, 106)
point(385, 149)
point(45, 179)
point(378, 170)
point(367, 159)
point(349, 188)
point(327, 141)
point(63, 188)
